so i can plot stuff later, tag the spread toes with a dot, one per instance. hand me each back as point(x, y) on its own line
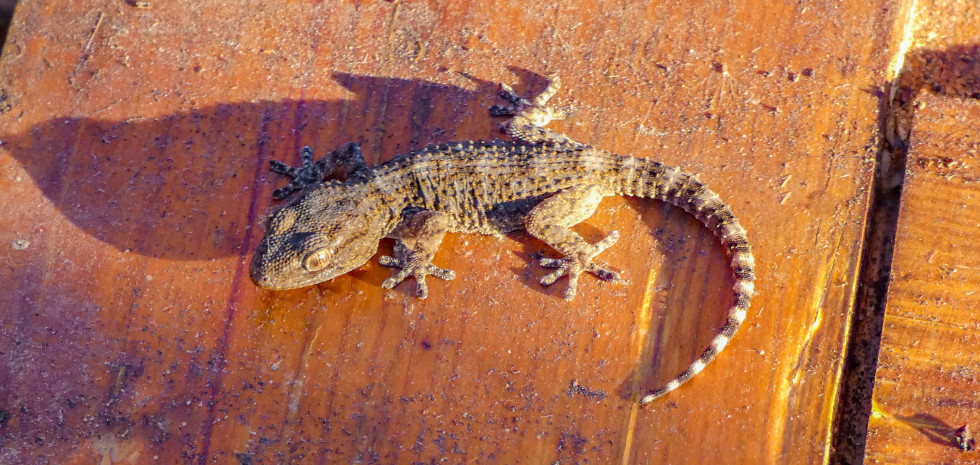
point(417, 270)
point(573, 267)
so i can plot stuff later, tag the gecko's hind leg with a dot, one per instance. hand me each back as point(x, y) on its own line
point(529, 117)
point(551, 221)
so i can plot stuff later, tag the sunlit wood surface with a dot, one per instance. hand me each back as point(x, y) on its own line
point(927, 376)
point(926, 384)
point(136, 140)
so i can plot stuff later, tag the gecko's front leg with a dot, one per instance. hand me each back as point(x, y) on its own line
point(529, 117)
point(310, 173)
point(418, 237)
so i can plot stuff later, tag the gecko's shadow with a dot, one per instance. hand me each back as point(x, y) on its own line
point(183, 186)
point(187, 186)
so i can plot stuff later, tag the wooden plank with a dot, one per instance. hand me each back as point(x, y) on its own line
point(919, 388)
point(136, 142)
point(926, 384)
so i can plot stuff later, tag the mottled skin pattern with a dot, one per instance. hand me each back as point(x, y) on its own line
point(542, 182)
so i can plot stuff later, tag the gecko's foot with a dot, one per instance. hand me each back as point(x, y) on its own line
point(416, 269)
point(347, 157)
point(534, 111)
point(573, 267)
point(308, 174)
point(528, 117)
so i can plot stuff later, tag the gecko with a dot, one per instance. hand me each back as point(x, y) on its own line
point(540, 181)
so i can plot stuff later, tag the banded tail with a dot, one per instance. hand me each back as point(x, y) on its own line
point(651, 179)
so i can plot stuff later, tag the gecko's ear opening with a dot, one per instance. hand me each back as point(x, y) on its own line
point(317, 260)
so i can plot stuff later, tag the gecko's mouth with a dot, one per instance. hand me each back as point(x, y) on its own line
point(267, 280)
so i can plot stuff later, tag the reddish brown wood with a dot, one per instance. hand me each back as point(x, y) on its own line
point(135, 147)
point(927, 374)
point(923, 390)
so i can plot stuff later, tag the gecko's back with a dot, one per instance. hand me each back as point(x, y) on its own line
point(490, 186)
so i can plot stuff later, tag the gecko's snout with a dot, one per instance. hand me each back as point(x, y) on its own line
point(263, 277)
point(257, 269)
point(260, 280)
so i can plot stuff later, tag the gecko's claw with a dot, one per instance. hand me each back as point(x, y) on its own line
point(574, 267)
point(417, 270)
point(529, 116)
point(536, 110)
point(599, 269)
point(517, 103)
point(501, 110)
point(282, 168)
point(306, 175)
point(565, 267)
point(508, 93)
point(347, 157)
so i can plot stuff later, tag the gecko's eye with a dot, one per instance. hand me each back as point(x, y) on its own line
point(317, 260)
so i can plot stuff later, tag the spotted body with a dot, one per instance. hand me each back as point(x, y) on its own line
point(542, 182)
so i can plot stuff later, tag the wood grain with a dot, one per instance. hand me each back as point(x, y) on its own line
point(922, 384)
point(926, 383)
point(135, 148)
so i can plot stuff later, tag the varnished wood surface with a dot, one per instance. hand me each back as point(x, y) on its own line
point(926, 384)
point(926, 378)
point(134, 163)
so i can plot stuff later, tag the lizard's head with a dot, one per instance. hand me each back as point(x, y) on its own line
point(327, 232)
